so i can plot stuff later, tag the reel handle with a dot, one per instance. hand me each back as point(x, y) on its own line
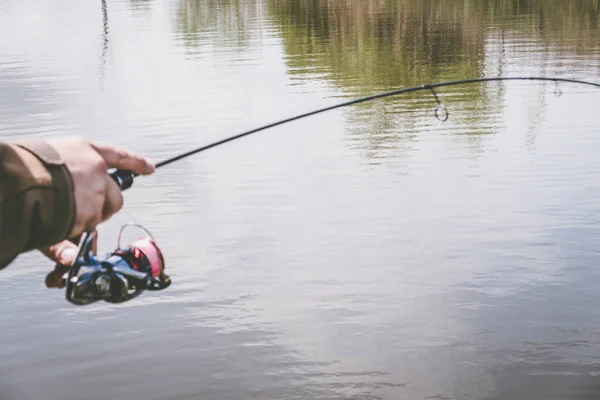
point(123, 178)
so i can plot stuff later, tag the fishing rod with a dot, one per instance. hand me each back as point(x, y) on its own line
point(127, 272)
point(125, 178)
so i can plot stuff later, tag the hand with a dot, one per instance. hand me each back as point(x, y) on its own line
point(63, 254)
point(97, 196)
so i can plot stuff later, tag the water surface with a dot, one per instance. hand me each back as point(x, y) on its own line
point(372, 252)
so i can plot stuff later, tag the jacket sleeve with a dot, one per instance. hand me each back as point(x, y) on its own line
point(37, 202)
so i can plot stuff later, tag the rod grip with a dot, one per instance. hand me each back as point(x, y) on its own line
point(123, 178)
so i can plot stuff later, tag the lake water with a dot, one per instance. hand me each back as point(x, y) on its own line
point(371, 252)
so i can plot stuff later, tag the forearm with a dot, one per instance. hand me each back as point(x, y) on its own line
point(37, 204)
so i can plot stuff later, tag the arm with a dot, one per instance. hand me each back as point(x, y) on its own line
point(37, 202)
point(57, 189)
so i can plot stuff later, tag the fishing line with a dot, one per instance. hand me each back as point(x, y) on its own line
point(125, 178)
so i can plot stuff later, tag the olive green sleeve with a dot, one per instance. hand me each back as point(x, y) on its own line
point(37, 203)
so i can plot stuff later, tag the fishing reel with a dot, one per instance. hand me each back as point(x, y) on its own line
point(115, 277)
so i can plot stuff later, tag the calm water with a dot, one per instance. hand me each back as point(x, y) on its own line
point(372, 252)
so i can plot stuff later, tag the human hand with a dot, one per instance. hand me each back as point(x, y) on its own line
point(97, 196)
point(63, 254)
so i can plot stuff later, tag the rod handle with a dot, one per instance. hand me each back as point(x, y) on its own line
point(124, 178)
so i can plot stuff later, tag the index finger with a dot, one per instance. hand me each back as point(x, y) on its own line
point(116, 157)
point(61, 253)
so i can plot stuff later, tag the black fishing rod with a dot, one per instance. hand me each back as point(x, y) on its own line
point(127, 272)
point(125, 178)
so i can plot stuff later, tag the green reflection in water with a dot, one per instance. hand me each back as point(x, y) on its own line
point(225, 24)
point(368, 47)
point(364, 47)
point(376, 45)
point(141, 5)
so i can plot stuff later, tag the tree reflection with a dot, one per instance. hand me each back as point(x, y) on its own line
point(377, 45)
point(367, 47)
point(364, 47)
point(385, 43)
point(226, 23)
point(104, 41)
point(141, 5)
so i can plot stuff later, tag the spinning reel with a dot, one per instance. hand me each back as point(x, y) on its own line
point(116, 277)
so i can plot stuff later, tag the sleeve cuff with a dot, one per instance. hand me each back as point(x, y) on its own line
point(62, 183)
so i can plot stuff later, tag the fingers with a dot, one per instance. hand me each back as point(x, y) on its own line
point(62, 253)
point(113, 199)
point(97, 197)
point(116, 157)
point(54, 279)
